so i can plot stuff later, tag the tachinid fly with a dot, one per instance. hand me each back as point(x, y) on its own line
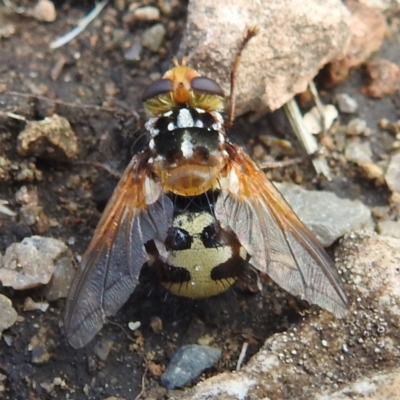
point(198, 211)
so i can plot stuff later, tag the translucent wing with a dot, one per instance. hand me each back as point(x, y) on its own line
point(110, 268)
point(279, 244)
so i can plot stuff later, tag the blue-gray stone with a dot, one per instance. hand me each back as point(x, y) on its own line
point(188, 363)
point(327, 216)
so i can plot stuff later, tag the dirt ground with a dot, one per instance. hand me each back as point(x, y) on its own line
point(99, 92)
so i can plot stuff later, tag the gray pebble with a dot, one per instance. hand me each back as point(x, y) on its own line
point(153, 37)
point(356, 126)
point(103, 348)
point(346, 103)
point(358, 152)
point(64, 271)
point(389, 228)
point(31, 263)
point(133, 52)
point(326, 215)
point(392, 175)
point(188, 363)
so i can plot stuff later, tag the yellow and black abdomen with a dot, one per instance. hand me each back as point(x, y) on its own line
point(200, 259)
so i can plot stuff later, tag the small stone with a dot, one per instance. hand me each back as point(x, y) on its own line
point(117, 40)
point(8, 315)
point(103, 348)
point(27, 196)
point(392, 175)
point(133, 52)
point(51, 138)
point(64, 271)
point(206, 340)
point(356, 126)
point(40, 346)
point(63, 274)
point(156, 369)
point(373, 171)
point(45, 11)
point(188, 363)
point(358, 152)
point(7, 30)
point(389, 228)
point(48, 387)
point(346, 103)
point(156, 324)
point(312, 119)
point(31, 305)
point(167, 6)
point(383, 78)
point(134, 325)
point(153, 37)
point(277, 146)
point(86, 389)
point(31, 263)
point(31, 212)
point(395, 198)
point(147, 14)
point(380, 212)
point(326, 215)
point(110, 88)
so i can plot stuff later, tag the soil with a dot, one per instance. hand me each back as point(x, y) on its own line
point(99, 92)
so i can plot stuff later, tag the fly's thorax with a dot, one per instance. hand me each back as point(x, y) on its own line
point(188, 149)
point(199, 258)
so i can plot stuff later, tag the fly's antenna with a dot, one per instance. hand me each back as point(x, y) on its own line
point(251, 32)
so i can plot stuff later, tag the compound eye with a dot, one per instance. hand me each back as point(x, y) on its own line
point(157, 88)
point(206, 85)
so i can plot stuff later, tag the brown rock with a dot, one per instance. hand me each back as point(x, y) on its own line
point(51, 138)
point(383, 78)
point(296, 39)
point(379, 386)
point(368, 29)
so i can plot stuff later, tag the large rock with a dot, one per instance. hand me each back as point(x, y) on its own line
point(32, 262)
point(327, 216)
point(296, 39)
